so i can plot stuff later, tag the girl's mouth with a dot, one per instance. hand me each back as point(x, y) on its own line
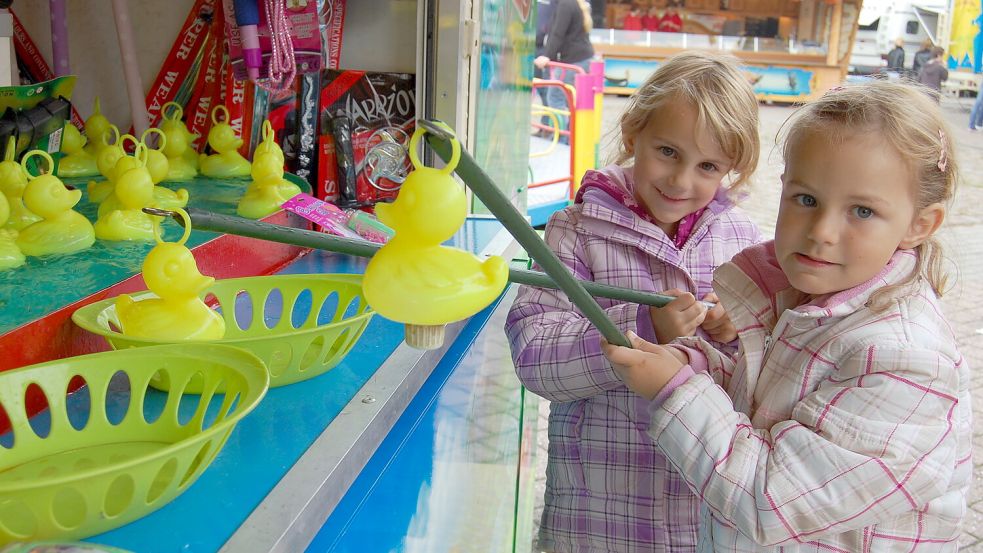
point(669, 198)
point(812, 261)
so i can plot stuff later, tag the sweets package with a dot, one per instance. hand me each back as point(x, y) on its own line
point(365, 125)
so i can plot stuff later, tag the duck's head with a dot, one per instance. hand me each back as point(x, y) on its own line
point(96, 126)
point(176, 140)
point(12, 176)
point(222, 138)
point(170, 272)
point(266, 164)
point(268, 145)
point(155, 160)
point(72, 140)
point(109, 154)
point(430, 207)
point(135, 188)
point(47, 196)
point(123, 164)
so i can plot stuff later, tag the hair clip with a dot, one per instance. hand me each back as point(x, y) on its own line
point(943, 156)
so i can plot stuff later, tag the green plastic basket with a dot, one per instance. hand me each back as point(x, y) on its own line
point(275, 317)
point(108, 449)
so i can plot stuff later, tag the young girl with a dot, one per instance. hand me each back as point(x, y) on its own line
point(844, 422)
point(663, 223)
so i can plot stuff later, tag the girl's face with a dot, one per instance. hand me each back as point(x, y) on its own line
point(846, 207)
point(678, 166)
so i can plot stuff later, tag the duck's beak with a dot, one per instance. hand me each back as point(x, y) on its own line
point(202, 283)
point(385, 214)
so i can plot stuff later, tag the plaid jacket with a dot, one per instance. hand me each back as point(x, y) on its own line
point(608, 489)
point(837, 428)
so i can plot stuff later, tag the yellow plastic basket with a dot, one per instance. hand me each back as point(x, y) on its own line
point(299, 325)
point(109, 449)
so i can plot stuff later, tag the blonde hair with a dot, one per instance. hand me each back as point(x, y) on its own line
point(724, 100)
point(912, 124)
point(588, 19)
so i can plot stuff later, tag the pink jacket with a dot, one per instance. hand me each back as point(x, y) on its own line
point(608, 488)
point(837, 428)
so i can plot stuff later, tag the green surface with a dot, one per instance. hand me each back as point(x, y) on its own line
point(45, 284)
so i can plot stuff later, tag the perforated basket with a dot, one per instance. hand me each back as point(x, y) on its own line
point(105, 447)
point(299, 325)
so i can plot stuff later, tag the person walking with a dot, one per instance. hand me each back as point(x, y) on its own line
point(933, 73)
point(568, 41)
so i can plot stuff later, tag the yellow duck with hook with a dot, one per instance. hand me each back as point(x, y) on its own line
point(182, 159)
point(96, 127)
point(62, 229)
point(10, 254)
point(106, 158)
point(159, 167)
point(415, 280)
point(226, 161)
point(177, 313)
point(134, 191)
point(268, 189)
point(13, 181)
point(76, 162)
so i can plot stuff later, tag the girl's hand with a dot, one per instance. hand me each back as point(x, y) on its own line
point(717, 324)
point(647, 368)
point(680, 317)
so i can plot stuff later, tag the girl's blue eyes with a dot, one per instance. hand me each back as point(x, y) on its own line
point(667, 151)
point(806, 200)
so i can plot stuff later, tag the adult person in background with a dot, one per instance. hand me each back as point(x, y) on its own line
point(895, 58)
point(921, 56)
point(633, 19)
point(568, 41)
point(544, 16)
point(671, 21)
point(933, 73)
point(976, 116)
point(650, 21)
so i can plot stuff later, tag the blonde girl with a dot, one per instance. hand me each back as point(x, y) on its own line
point(661, 219)
point(844, 422)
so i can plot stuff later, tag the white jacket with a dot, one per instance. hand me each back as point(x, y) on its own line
point(835, 428)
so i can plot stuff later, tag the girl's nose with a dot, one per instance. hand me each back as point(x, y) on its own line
point(824, 228)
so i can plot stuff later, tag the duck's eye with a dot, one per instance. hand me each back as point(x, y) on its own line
point(172, 268)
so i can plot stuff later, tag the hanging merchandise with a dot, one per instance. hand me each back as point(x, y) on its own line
point(279, 40)
point(31, 63)
point(207, 89)
point(366, 122)
point(182, 65)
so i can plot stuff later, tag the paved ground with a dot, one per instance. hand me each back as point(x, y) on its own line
point(962, 236)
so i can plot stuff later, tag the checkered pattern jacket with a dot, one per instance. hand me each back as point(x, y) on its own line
point(608, 488)
point(837, 428)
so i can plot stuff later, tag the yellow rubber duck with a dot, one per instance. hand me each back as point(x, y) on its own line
point(268, 144)
point(134, 191)
point(62, 230)
point(13, 181)
point(96, 127)
point(10, 254)
point(226, 161)
point(177, 313)
point(182, 158)
point(268, 189)
point(159, 167)
point(413, 278)
point(75, 162)
point(106, 159)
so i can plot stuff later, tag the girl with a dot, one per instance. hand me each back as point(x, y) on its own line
point(844, 422)
point(689, 138)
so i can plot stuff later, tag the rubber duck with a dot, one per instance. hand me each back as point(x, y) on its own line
point(268, 144)
point(159, 167)
point(13, 181)
point(62, 229)
point(10, 254)
point(226, 161)
point(177, 313)
point(268, 189)
point(134, 191)
point(96, 127)
point(75, 162)
point(413, 278)
point(106, 160)
point(182, 158)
